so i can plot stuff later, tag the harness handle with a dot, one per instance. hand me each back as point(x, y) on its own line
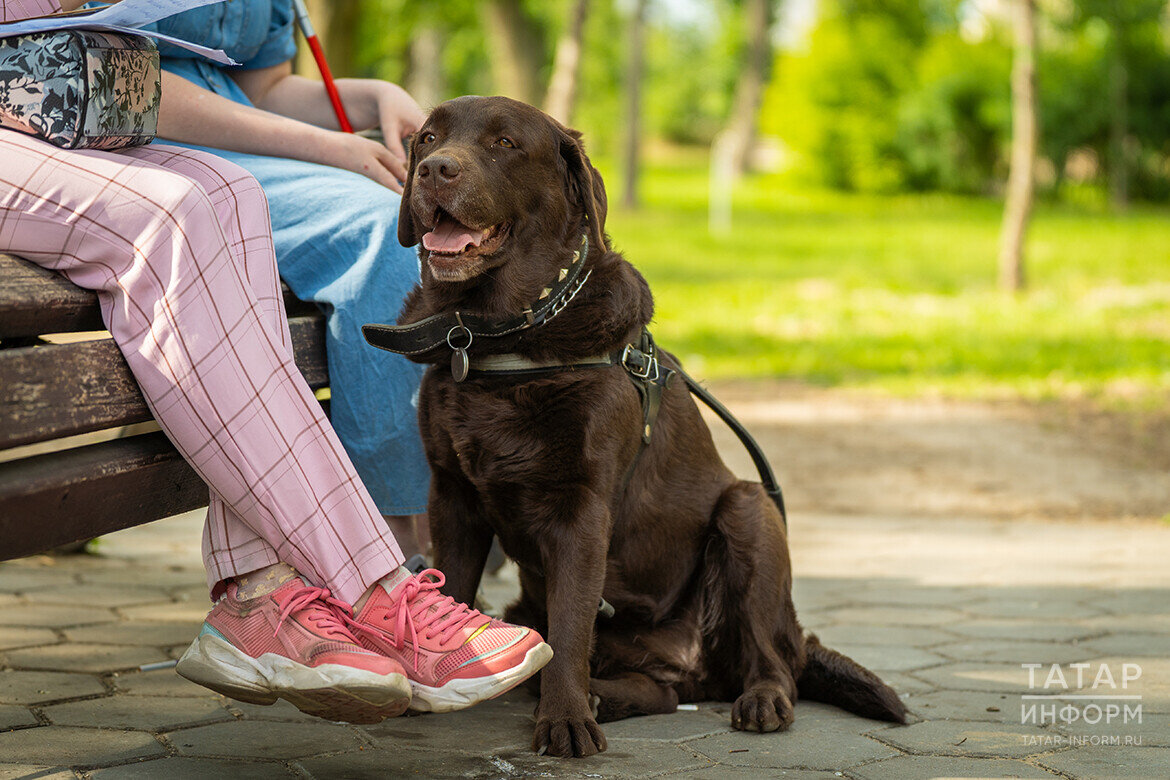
point(767, 478)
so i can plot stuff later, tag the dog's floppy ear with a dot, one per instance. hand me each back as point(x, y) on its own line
point(584, 184)
point(407, 235)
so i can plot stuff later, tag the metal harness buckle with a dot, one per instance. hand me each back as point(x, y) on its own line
point(645, 371)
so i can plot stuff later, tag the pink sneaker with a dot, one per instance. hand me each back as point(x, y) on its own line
point(455, 656)
point(293, 644)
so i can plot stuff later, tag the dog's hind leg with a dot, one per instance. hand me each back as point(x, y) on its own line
point(629, 694)
point(752, 639)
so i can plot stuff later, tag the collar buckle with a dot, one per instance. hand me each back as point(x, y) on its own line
point(639, 364)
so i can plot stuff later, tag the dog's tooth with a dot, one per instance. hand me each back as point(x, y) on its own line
point(545, 292)
point(563, 274)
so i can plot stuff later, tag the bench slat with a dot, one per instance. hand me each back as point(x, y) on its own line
point(35, 301)
point(56, 390)
point(64, 497)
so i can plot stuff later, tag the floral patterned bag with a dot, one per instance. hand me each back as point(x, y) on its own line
point(81, 89)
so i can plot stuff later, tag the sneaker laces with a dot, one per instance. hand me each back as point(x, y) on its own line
point(423, 609)
point(318, 608)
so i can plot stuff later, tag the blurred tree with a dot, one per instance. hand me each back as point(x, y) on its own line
point(516, 47)
point(561, 97)
point(749, 89)
point(635, 64)
point(1021, 179)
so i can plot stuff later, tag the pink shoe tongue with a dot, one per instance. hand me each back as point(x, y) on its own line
point(450, 237)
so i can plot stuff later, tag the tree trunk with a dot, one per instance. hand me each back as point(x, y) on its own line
point(514, 48)
point(749, 89)
point(335, 24)
point(1118, 120)
point(634, 65)
point(561, 97)
point(1021, 178)
point(424, 80)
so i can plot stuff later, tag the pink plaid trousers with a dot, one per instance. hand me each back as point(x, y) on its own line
point(178, 246)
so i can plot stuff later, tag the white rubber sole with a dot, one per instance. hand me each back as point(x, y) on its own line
point(460, 694)
point(329, 691)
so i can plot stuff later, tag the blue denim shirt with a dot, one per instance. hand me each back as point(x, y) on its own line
point(254, 33)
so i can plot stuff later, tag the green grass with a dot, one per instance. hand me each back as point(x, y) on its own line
point(899, 293)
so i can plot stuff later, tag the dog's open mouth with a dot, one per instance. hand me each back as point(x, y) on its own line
point(456, 250)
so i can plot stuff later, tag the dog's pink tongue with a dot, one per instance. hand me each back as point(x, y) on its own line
point(450, 237)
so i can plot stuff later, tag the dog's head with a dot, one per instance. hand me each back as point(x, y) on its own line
point(491, 181)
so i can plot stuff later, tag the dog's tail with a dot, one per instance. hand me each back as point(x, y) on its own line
point(833, 678)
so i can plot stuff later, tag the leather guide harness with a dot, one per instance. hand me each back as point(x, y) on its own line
point(639, 359)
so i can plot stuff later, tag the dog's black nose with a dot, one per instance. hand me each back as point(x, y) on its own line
point(446, 169)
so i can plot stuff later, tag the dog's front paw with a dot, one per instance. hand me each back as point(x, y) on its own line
point(763, 709)
point(568, 737)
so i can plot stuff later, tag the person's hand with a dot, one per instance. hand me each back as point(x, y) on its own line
point(399, 116)
point(364, 156)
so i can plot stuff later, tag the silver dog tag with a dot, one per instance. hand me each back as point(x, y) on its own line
point(459, 364)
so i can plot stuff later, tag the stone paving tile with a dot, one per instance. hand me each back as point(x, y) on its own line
point(105, 595)
point(78, 657)
point(676, 727)
point(12, 637)
point(12, 716)
point(928, 767)
point(725, 772)
point(1005, 678)
point(891, 658)
point(36, 687)
point(904, 684)
point(822, 737)
point(1153, 686)
point(28, 771)
point(903, 636)
point(1129, 624)
point(1157, 645)
point(1025, 630)
point(67, 746)
point(1008, 651)
point(1144, 763)
point(163, 682)
point(957, 738)
point(138, 712)
point(917, 595)
point(896, 616)
point(143, 633)
point(146, 576)
point(54, 616)
point(264, 739)
point(24, 576)
point(497, 725)
point(194, 769)
point(171, 612)
point(1148, 601)
point(1152, 731)
point(966, 705)
point(280, 710)
point(1031, 608)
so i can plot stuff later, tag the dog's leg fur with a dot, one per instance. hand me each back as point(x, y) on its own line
point(461, 539)
point(574, 564)
point(749, 624)
point(629, 694)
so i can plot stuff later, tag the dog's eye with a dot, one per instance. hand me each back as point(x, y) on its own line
point(506, 143)
point(427, 138)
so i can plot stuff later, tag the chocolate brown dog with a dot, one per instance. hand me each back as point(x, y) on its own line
point(542, 445)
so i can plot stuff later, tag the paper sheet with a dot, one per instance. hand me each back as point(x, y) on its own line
point(124, 17)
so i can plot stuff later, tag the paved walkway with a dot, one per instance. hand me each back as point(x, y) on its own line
point(947, 611)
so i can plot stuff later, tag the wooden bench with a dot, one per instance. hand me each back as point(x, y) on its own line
point(67, 470)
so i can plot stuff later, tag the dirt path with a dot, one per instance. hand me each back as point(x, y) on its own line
point(844, 451)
